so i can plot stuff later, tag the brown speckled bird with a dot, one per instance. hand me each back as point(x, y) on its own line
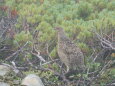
point(69, 53)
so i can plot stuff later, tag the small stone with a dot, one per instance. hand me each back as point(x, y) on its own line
point(4, 70)
point(4, 84)
point(32, 80)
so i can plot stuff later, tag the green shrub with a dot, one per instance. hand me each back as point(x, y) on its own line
point(84, 10)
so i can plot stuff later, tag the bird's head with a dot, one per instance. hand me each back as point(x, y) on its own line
point(58, 29)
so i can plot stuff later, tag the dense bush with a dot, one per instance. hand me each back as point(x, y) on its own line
point(77, 17)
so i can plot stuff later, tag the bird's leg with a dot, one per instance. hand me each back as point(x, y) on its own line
point(67, 69)
point(67, 73)
point(61, 67)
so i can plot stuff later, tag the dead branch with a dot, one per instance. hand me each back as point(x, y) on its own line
point(49, 62)
point(101, 71)
point(37, 54)
point(16, 51)
point(105, 39)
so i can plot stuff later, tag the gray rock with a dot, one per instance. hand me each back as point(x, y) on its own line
point(32, 80)
point(4, 84)
point(4, 70)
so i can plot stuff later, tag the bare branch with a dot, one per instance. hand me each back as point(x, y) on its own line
point(37, 54)
point(49, 62)
point(16, 51)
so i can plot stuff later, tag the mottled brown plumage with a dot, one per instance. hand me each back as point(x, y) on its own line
point(69, 53)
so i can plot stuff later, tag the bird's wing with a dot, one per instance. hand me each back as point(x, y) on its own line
point(74, 54)
point(71, 48)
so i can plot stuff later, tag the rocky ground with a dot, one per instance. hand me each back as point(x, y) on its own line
point(12, 77)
